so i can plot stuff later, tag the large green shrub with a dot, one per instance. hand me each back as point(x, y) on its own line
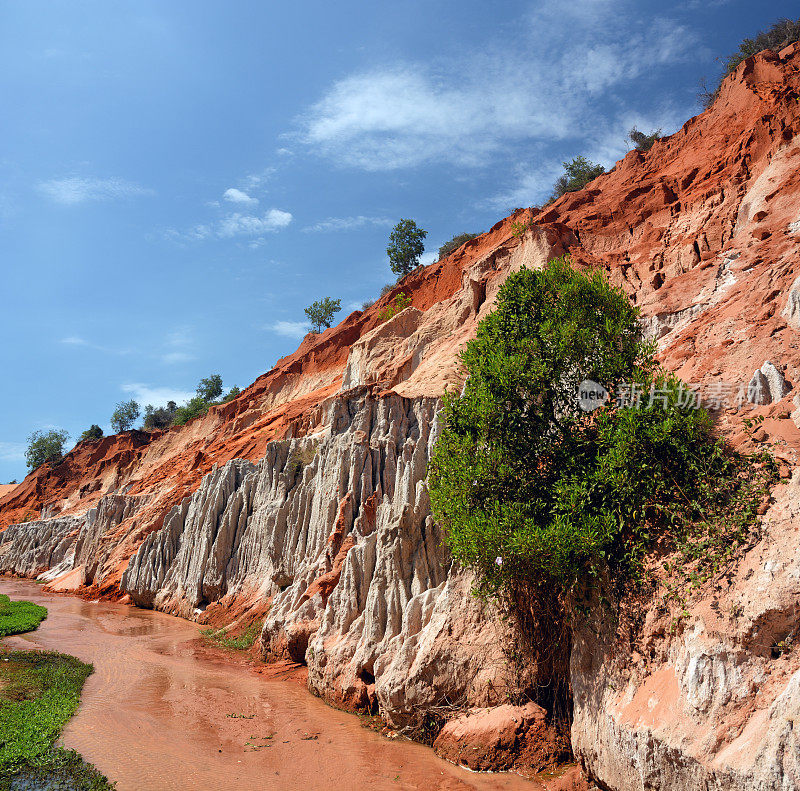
point(193, 408)
point(93, 432)
point(532, 490)
point(159, 418)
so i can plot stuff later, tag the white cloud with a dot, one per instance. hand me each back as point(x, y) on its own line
point(79, 342)
point(79, 189)
point(255, 181)
point(233, 195)
point(290, 329)
point(12, 451)
point(157, 396)
point(74, 340)
point(237, 224)
point(346, 224)
point(537, 87)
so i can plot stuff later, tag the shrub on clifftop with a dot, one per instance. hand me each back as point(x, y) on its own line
point(321, 312)
point(124, 416)
point(45, 446)
point(93, 432)
point(578, 173)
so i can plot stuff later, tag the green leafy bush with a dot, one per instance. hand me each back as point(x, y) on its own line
point(406, 245)
point(531, 490)
point(45, 446)
point(455, 243)
point(194, 407)
point(400, 302)
point(578, 173)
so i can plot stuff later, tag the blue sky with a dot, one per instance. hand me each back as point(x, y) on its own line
point(178, 180)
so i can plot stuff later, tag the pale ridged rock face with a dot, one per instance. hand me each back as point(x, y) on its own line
point(713, 707)
point(31, 548)
point(337, 531)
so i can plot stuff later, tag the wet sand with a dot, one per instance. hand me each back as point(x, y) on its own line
point(155, 716)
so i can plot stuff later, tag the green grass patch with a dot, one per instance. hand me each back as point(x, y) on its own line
point(19, 616)
point(238, 643)
point(39, 692)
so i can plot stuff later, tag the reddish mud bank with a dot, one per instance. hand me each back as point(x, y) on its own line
point(156, 715)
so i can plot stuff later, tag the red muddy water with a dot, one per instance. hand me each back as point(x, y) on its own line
point(155, 717)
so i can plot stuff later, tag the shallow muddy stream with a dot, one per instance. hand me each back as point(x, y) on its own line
point(156, 716)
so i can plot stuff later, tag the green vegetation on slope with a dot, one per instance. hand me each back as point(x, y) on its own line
point(537, 495)
point(19, 616)
point(779, 35)
point(240, 643)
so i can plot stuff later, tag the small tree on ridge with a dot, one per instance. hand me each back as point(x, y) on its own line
point(406, 245)
point(321, 312)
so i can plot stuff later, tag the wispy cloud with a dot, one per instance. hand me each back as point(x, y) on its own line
point(77, 341)
point(290, 329)
point(157, 396)
point(467, 110)
point(178, 346)
point(81, 189)
point(237, 224)
point(12, 451)
point(346, 224)
point(232, 225)
point(233, 195)
point(256, 181)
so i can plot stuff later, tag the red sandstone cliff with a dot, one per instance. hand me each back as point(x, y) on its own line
point(703, 231)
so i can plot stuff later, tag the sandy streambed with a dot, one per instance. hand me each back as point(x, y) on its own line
point(155, 715)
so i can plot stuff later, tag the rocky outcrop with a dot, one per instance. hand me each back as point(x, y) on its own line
point(336, 532)
point(522, 737)
point(31, 548)
point(767, 385)
point(710, 707)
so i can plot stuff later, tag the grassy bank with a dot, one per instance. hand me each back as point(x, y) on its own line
point(19, 616)
point(39, 692)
